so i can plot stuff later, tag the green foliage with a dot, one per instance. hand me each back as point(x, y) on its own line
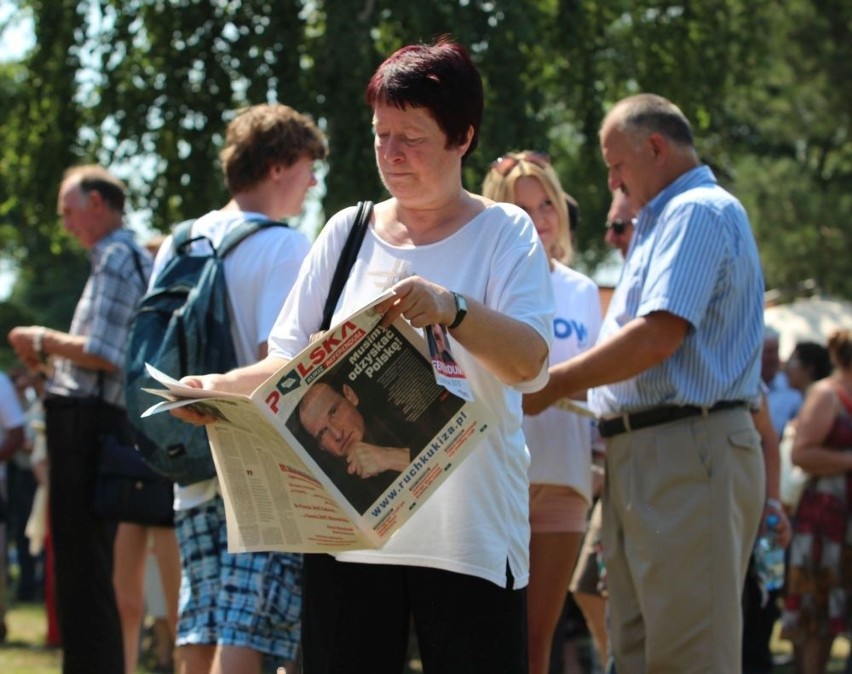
point(148, 86)
point(39, 140)
point(789, 137)
point(11, 315)
point(172, 75)
point(345, 58)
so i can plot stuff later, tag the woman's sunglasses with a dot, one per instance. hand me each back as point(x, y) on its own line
point(502, 166)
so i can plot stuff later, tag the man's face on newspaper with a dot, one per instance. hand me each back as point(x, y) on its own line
point(332, 419)
point(438, 334)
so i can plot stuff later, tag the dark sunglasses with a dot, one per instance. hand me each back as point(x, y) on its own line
point(617, 226)
point(502, 166)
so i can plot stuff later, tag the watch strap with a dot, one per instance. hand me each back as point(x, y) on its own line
point(461, 310)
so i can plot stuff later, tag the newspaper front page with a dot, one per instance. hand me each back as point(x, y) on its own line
point(341, 446)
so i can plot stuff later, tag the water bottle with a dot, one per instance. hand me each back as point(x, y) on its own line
point(769, 557)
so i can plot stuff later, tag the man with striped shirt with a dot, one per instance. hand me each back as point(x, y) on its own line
point(673, 373)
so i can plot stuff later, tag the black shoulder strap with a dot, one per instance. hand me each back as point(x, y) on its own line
point(139, 270)
point(137, 262)
point(347, 259)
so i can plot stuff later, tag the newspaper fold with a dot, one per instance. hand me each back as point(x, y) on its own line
point(576, 406)
point(341, 446)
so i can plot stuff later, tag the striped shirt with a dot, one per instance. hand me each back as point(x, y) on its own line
point(693, 255)
point(103, 315)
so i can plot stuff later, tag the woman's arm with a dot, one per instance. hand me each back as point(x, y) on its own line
point(771, 455)
point(513, 351)
point(815, 420)
point(772, 467)
point(242, 380)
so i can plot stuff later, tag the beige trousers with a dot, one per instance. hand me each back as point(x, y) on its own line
point(681, 507)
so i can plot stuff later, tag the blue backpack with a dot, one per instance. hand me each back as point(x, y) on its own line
point(182, 326)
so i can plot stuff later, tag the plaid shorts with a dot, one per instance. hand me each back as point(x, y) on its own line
point(252, 600)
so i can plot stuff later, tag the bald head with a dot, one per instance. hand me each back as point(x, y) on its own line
point(90, 203)
point(643, 114)
point(647, 144)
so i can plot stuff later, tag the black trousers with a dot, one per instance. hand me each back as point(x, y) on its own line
point(758, 622)
point(83, 544)
point(21, 488)
point(356, 618)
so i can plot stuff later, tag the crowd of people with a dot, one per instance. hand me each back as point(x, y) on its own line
point(678, 391)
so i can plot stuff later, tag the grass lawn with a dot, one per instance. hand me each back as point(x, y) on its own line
point(24, 653)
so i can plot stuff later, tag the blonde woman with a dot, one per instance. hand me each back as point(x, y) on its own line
point(559, 441)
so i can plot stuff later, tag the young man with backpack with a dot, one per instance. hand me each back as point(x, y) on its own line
point(236, 609)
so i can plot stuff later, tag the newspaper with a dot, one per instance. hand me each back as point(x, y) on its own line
point(576, 406)
point(341, 446)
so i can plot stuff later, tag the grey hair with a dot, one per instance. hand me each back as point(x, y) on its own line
point(644, 114)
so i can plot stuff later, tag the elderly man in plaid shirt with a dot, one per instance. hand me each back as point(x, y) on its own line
point(84, 399)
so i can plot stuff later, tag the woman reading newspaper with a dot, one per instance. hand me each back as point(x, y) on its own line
point(460, 565)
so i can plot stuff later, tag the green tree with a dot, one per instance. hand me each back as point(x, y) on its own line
point(791, 128)
point(39, 139)
point(693, 53)
point(170, 75)
point(148, 87)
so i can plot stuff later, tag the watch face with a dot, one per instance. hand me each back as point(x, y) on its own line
point(461, 310)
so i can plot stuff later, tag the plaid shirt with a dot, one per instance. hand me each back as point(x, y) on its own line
point(103, 316)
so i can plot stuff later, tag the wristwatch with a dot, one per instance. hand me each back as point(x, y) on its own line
point(461, 310)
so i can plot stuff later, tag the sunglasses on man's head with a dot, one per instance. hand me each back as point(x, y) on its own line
point(617, 226)
point(504, 165)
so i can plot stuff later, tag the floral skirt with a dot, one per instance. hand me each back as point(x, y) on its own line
point(819, 568)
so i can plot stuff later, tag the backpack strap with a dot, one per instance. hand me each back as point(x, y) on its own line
point(347, 260)
point(243, 231)
point(138, 264)
point(181, 236)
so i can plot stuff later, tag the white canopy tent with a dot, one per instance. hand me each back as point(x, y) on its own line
point(807, 320)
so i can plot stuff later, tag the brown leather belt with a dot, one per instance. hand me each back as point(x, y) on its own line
point(659, 415)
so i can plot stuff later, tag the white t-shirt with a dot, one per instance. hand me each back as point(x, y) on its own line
point(560, 442)
point(260, 273)
point(477, 521)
